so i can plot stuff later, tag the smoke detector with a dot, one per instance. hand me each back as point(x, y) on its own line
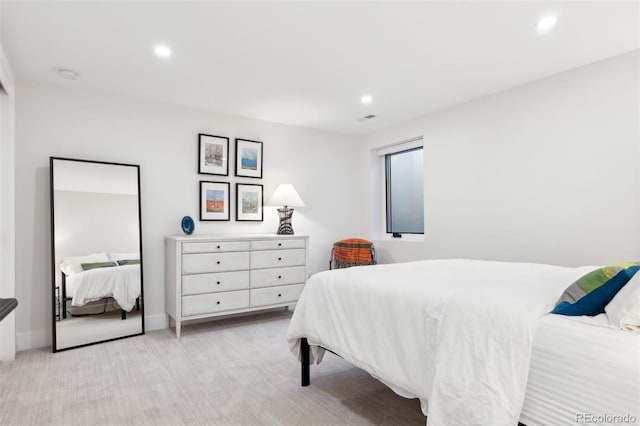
point(67, 73)
point(366, 117)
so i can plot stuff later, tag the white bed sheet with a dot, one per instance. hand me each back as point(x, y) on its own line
point(120, 282)
point(457, 334)
point(582, 366)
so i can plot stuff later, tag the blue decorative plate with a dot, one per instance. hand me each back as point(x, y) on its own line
point(188, 225)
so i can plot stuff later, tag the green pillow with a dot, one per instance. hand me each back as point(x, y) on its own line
point(94, 265)
point(128, 262)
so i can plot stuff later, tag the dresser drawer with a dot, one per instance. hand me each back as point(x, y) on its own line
point(276, 295)
point(277, 258)
point(215, 282)
point(214, 262)
point(277, 276)
point(214, 302)
point(276, 244)
point(213, 247)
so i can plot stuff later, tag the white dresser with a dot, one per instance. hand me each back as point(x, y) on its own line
point(211, 275)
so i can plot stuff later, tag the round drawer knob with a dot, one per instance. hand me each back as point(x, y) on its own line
point(218, 283)
point(279, 277)
point(218, 247)
point(218, 302)
point(279, 295)
point(218, 262)
point(279, 244)
point(279, 258)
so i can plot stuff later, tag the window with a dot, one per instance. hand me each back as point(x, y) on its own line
point(404, 176)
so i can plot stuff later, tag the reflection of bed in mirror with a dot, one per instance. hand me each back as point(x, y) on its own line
point(115, 283)
point(96, 252)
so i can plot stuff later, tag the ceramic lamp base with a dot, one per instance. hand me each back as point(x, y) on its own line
point(285, 227)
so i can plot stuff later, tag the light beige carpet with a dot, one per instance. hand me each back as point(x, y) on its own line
point(235, 371)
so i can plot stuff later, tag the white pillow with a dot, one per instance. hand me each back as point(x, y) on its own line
point(72, 265)
point(624, 309)
point(124, 256)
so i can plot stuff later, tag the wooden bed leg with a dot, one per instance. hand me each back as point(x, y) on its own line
point(304, 351)
point(123, 314)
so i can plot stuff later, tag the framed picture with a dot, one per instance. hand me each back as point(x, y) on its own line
point(248, 202)
point(214, 200)
point(248, 158)
point(213, 153)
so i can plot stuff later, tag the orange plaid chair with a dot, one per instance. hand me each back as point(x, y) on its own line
point(352, 252)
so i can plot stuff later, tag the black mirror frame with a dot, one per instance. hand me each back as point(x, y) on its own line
point(53, 253)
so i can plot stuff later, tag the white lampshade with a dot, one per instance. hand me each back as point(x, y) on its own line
point(285, 195)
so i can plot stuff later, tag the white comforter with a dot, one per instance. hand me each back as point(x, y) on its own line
point(457, 334)
point(120, 282)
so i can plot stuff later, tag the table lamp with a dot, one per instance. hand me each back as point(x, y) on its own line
point(285, 195)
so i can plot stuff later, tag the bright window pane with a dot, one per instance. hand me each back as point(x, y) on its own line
point(405, 191)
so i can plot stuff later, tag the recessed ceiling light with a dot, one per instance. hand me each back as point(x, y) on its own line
point(162, 51)
point(67, 73)
point(366, 99)
point(546, 23)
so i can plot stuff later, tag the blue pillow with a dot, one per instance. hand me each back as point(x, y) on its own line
point(595, 290)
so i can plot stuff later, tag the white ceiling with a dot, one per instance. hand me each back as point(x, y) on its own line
point(308, 63)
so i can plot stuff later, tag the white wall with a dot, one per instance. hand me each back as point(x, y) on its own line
point(545, 172)
point(7, 204)
point(163, 140)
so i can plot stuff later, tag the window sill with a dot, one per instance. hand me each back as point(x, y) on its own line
point(407, 238)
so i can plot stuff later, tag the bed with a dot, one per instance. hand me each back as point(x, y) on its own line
point(470, 340)
point(115, 278)
point(581, 366)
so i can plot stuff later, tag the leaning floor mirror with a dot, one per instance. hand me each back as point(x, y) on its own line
point(96, 246)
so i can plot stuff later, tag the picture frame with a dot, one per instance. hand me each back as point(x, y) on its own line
point(214, 201)
point(248, 158)
point(249, 202)
point(213, 155)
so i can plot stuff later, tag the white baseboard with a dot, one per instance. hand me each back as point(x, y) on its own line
point(42, 338)
point(155, 322)
point(8, 338)
point(33, 339)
